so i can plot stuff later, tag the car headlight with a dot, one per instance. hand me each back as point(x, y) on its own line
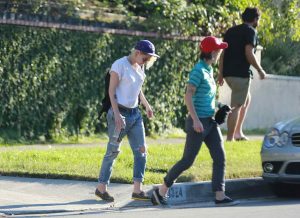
point(283, 139)
point(275, 138)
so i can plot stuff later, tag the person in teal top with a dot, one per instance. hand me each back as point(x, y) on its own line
point(201, 126)
point(202, 78)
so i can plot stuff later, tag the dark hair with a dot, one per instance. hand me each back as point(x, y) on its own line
point(250, 14)
point(207, 56)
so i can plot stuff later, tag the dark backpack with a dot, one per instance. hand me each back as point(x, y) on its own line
point(106, 104)
point(106, 100)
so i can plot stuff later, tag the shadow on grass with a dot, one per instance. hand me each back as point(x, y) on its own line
point(63, 176)
point(10, 137)
point(49, 176)
point(153, 170)
point(114, 179)
point(186, 178)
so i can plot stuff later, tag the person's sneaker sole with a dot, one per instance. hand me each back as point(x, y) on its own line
point(233, 203)
point(98, 198)
point(156, 197)
point(153, 201)
point(141, 199)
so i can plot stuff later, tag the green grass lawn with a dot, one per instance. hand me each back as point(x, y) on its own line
point(243, 160)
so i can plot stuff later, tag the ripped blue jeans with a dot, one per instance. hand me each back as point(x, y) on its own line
point(135, 132)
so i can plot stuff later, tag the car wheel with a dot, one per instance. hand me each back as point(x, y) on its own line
point(285, 190)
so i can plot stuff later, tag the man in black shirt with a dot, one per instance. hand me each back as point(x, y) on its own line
point(234, 67)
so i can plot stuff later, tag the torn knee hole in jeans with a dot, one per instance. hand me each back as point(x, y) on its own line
point(115, 150)
point(142, 149)
point(113, 153)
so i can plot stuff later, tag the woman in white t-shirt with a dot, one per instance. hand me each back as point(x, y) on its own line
point(124, 118)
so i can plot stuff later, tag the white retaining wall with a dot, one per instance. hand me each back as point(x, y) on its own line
point(274, 99)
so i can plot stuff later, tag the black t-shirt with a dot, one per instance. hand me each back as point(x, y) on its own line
point(235, 63)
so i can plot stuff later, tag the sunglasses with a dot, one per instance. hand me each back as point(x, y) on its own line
point(146, 59)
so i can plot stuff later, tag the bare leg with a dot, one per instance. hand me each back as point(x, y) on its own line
point(163, 190)
point(137, 187)
point(239, 127)
point(220, 195)
point(232, 122)
point(102, 187)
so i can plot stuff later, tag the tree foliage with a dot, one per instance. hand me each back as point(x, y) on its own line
point(281, 20)
point(51, 81)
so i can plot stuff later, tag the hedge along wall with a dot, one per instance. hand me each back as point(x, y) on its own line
point(52, 81)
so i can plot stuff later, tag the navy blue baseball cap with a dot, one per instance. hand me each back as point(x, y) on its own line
point(147, 47)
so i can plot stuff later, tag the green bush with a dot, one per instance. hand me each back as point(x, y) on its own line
point(52, 81)
point(282, 58)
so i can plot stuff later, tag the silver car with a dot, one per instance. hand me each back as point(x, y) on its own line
point(280, 153)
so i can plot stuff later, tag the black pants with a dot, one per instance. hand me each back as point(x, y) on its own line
point(214, 141)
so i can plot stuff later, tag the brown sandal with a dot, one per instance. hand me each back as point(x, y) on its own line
point(104, 196)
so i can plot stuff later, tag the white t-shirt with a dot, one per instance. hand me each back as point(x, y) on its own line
point(130, 82)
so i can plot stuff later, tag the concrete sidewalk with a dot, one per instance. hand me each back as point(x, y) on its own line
point(21, 196)
point(24, 196)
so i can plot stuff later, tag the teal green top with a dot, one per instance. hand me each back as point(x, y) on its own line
point(202, 78)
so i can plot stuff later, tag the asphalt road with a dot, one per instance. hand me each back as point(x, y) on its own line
point(262, 208)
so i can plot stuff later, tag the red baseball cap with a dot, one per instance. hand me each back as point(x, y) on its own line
point(211, 43)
